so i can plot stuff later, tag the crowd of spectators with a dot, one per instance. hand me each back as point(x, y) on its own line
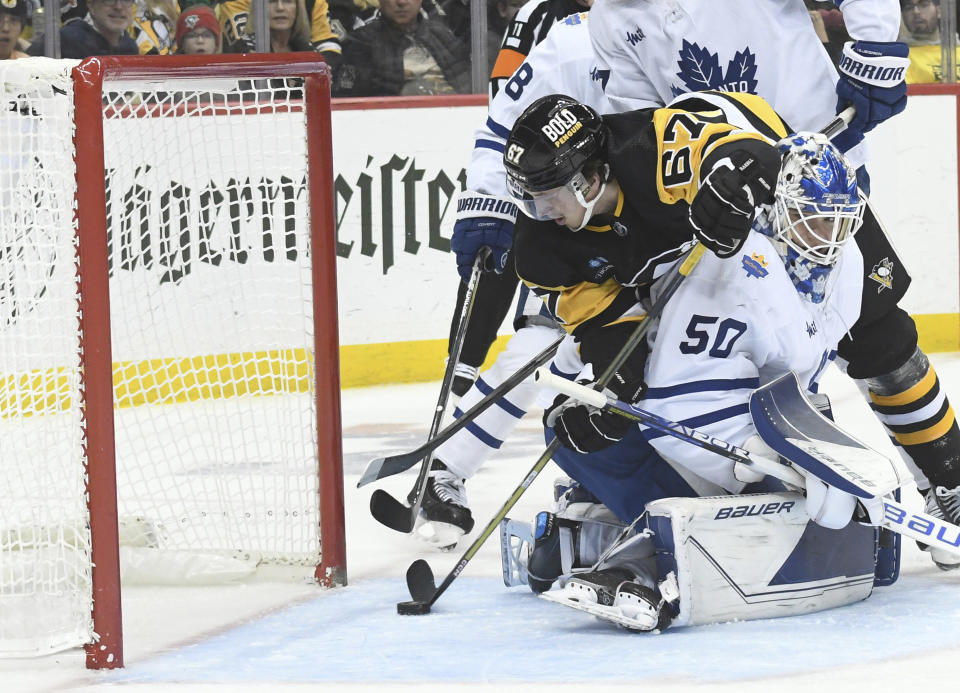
point(375, 47)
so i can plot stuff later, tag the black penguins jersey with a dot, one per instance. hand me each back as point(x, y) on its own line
point(658, 157)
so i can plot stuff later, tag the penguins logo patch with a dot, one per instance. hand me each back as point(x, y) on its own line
point(882, 274)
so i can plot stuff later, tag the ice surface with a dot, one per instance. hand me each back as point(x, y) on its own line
point(292, 636)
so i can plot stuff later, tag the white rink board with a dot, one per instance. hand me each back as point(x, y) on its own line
point(411, 298)
point(913, 169)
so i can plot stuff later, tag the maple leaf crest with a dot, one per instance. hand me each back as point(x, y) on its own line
point(741, 74)
point(700, 71)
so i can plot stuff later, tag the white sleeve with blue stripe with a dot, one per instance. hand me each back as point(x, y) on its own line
point(732, 326)
point(563, 63)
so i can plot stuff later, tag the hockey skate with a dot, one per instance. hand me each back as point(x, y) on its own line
point(444, 514)
point(943, 503)
point(463, 378)
point(612, 595)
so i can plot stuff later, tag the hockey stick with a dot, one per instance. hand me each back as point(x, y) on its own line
point(386, 509)
point(915, 525)
point(420, 579)
point(382, 467)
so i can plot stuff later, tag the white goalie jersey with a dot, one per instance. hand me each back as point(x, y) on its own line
point(655, 50)
point(563, 63)
point(733, 325)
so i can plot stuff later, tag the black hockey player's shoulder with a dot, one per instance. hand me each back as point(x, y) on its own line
point(632, 149)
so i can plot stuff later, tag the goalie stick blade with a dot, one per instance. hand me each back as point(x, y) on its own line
point(391, 513)
point(420, 582)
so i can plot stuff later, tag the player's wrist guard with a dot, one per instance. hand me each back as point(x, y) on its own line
point(873, 80)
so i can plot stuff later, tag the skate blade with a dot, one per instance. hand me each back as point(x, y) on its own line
point(625, 613)
point(438, 535)
point(942, 559)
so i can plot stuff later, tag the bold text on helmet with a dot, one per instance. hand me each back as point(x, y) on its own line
point(561, 126)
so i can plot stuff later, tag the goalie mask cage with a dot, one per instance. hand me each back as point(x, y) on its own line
point(169, 375)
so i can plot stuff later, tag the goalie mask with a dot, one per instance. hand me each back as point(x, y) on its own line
point(817, 208)
point(555, 147)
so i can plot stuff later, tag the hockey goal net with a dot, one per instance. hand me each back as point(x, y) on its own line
point(168, 339)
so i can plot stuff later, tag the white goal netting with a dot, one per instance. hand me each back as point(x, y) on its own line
point(212, 337)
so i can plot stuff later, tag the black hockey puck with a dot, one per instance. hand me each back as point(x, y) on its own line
point(413, 608)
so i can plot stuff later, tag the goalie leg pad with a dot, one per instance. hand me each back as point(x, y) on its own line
point(757, 556)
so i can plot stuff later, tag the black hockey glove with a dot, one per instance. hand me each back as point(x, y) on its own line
point(724, 208)
point(582, 428)
point(600, 347)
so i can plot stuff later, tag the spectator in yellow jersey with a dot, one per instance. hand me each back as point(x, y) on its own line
point(13, 15)
point(154, 23)
point(289, 28)
point(921, 30)
point(238, 33)
point(198, 31)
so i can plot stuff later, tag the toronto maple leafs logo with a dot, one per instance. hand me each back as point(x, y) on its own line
point(700, 70)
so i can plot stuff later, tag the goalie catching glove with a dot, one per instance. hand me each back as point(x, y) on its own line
point(724, 207)
point(583, 428)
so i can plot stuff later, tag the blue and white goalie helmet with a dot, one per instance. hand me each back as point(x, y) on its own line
point(817, 207)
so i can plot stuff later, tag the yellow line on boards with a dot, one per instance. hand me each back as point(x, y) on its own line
point(171, 380)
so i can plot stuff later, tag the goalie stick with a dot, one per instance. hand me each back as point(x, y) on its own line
point(420, 580)
point(924, 528)
point(386, 509)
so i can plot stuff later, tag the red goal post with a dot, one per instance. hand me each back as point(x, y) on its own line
point(207, 339)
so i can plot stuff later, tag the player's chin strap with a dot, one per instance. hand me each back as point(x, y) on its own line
point(826, 453)
point(588, 206)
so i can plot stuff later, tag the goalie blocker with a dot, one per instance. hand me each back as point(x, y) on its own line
point(724, 558)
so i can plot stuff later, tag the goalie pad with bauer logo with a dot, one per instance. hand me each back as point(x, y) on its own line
point(738, 557)
point(731, 558)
